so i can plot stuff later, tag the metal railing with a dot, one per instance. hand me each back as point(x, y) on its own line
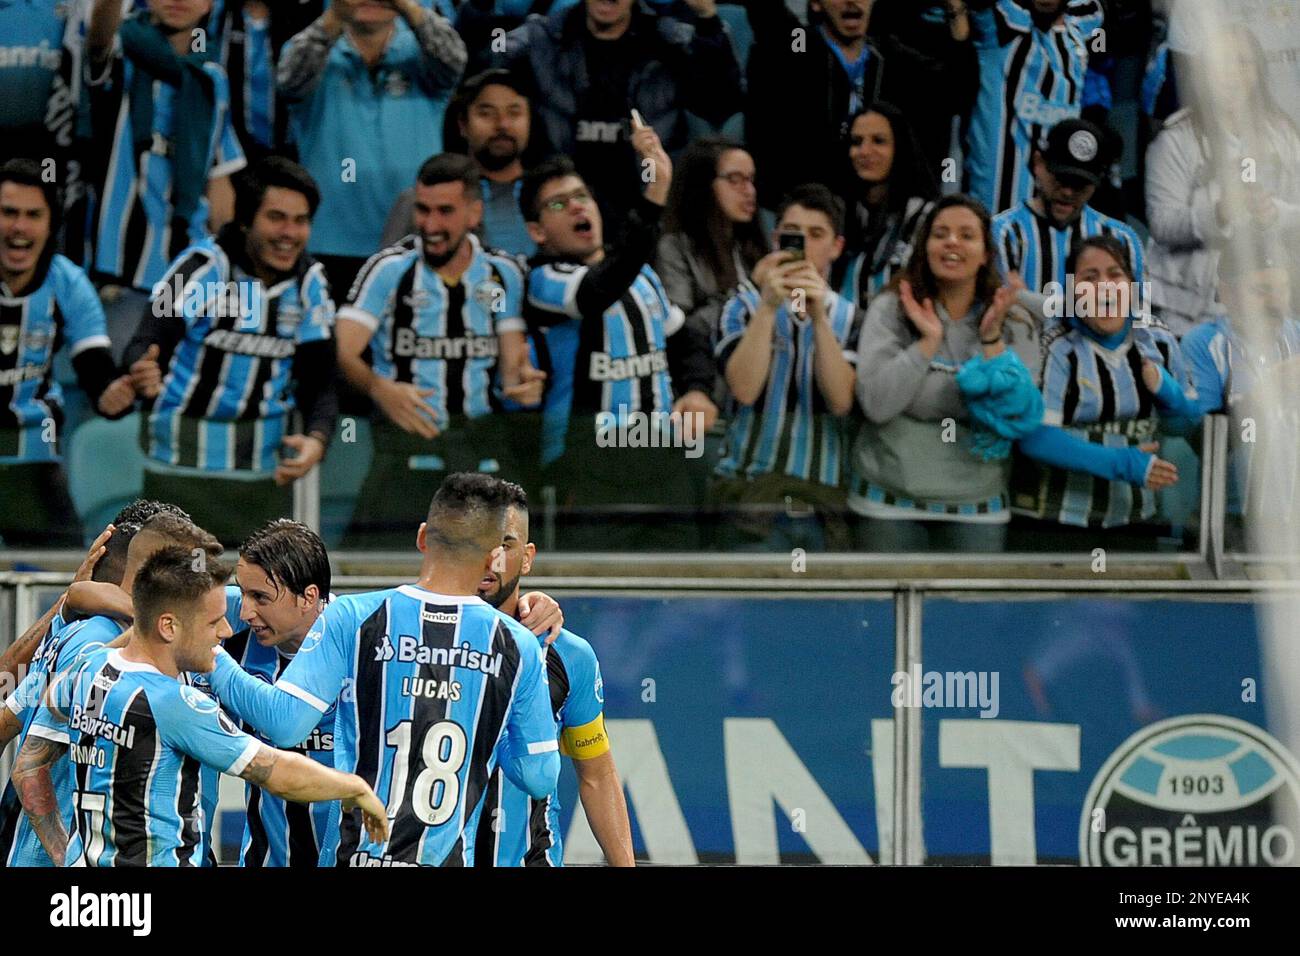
point(1206, 559)
point(23, 594)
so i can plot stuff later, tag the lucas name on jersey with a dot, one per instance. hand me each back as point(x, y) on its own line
point(430, 689)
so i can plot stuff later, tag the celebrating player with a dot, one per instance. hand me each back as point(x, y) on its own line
point(435, 690)
point(137, 735)
point(283, 578)
point(514, 829)
point(69, 644)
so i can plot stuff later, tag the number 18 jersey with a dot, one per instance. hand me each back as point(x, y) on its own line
point(434, 693)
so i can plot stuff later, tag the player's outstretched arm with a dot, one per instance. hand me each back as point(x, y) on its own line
point(601, 792)
point(35, 786)
point(295, 777)
point(284, 719)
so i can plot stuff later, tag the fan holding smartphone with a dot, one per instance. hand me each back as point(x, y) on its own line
point(787, 346)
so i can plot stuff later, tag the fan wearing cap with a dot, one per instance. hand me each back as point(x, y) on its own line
point(1034, 239)
point(1033, 69)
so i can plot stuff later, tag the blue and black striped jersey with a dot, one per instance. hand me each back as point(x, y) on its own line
point(228, 390)
point(134, 239)
point(248, 54)
point(61, 650)
point(62, 310)
point(1030, 80)
point(437, 335)
point(616, 362)
point(434, 692)
point(137, 739)
point(868, 270)
point(1029, 244)
point(788, 429)
point(515, 829)
point(278, 832)
point(1098, 394)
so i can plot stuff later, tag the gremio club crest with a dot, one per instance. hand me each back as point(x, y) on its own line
point(1196, 790)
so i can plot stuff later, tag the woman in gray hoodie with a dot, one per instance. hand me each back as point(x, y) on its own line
point(921, 482)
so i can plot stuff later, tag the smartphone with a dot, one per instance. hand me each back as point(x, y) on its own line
point(791, 242)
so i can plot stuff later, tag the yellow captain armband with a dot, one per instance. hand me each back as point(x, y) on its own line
point(587, 741)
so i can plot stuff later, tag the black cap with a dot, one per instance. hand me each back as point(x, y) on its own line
point(1077, 148)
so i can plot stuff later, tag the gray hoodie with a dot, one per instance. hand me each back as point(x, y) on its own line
point(907, 398)
point(1182, 255)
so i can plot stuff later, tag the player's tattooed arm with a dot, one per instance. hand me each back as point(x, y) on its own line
point(35, 786)
point(292, 776)
point(258, 771)
point(603, 802)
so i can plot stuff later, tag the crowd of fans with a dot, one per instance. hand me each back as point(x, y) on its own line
point(836, 275)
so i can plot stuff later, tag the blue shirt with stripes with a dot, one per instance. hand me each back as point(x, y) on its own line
point(434, 692)
point(133, 234)
point(788, 429)
point(209, 777)
point(63, 311)
point(1030, 80)
point(61, 650)
point(251, 72)
point(868, 270)
point(278, 832)
point(1097, 393)
point(228, 390)
point(435, 334)
point(515, 829)
point(1027, 242)
point(137, 741)
point(616, 362)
